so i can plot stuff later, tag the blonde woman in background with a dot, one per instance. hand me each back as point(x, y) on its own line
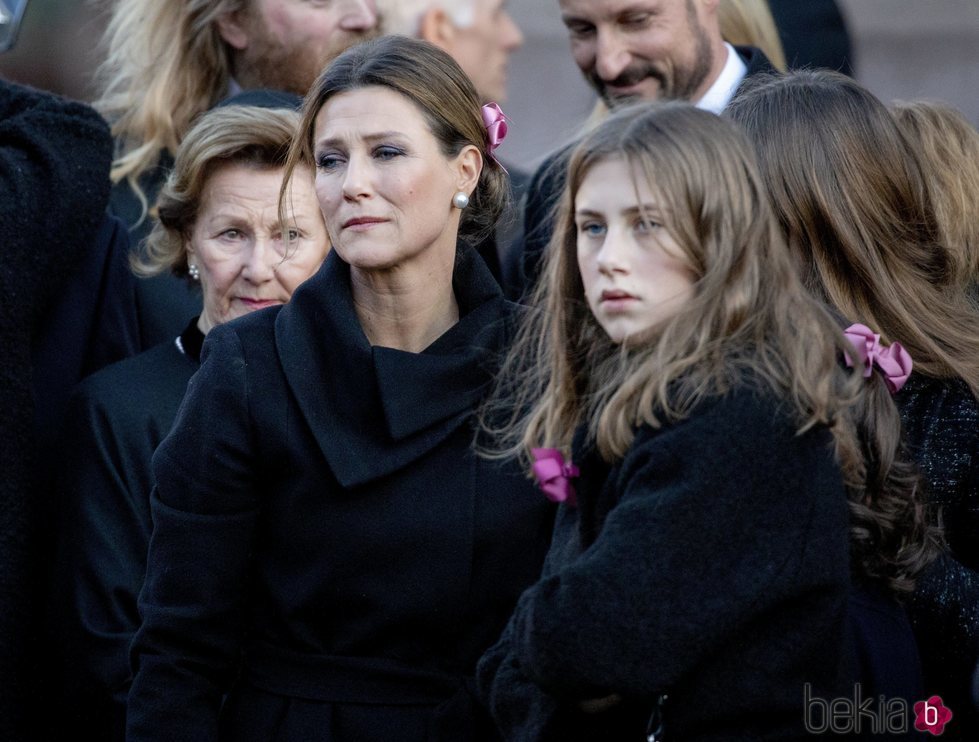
point(948, 146)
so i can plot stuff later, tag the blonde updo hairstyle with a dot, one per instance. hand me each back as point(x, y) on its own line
point(442, 92)
point(240, 135)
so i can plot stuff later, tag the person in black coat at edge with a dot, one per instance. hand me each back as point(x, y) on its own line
point(329, 555)
point(728, 478)
point(662, 49)
point(169, 62)
point(218, 228)
point(54, 164)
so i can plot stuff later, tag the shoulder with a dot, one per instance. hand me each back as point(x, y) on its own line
point(127, 383)
point(252, 334)
point(746, 433)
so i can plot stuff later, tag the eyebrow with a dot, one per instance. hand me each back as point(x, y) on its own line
point(637, 209)
point(334, 141)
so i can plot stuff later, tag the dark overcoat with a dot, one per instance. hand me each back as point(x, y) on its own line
point(710, 566)
point(116, 419)
point(324, 531)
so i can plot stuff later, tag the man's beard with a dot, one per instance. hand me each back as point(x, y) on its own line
point(265, 63)
point(682, 86)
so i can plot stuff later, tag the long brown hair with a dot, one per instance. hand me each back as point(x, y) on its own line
point(948, 147)
point(849, 195)
point(749, 316)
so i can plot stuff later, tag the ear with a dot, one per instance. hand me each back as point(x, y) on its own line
point(232, 29)
point(468, 165)
point(437, 28)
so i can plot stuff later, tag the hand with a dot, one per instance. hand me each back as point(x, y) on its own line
point(599, 705)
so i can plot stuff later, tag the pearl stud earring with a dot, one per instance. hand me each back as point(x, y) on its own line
point(194, 271)
point(460, 200)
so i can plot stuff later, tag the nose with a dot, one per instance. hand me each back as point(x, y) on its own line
point(260, 263)
point(510, 34)
point(611, 55)
point(356, 179)
point(359, 15)
point(612, 256)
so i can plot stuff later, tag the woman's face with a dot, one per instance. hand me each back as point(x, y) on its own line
point(634, 273)
point(237, 244)
point(383, 184)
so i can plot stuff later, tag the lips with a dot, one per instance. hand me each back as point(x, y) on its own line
point(254, 304)
point(363, 222)
point(616, 295)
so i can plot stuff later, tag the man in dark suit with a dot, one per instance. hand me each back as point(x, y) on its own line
point(629, 50)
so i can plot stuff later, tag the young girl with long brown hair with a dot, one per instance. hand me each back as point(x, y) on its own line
point(722, 474)
point(856, 204)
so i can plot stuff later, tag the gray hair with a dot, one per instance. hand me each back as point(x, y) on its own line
point(404, 16)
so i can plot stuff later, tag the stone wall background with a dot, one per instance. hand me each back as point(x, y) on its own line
point(903, 49)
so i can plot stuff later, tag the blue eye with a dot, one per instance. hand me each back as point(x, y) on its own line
point(387, 152)
point(647, 225)
point(232, 234)
point(592, 229)
point(327, 161)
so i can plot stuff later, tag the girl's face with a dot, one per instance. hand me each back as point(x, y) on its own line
point(634, 273)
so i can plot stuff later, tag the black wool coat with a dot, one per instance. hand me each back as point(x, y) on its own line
point(324, 531)
point(116, 419)
point(710, 566)
point(54, 185)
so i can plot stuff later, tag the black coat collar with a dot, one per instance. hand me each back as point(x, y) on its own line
point(374, 410)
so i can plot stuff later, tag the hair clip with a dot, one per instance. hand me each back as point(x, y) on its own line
point(893, 361)
point(495, 122)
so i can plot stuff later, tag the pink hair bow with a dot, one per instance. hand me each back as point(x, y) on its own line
point(893, 361)
point(496, 128)
point(554, 475)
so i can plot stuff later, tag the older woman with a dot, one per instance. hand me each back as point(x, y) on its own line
point(219, 226)
point(328, 549)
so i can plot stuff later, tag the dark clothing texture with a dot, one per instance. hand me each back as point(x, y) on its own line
point(325, 538)
point(547, 186)
point(813, 34)
point(941, 427)
point(54, 185)
point(710, 565)
point(118, 417)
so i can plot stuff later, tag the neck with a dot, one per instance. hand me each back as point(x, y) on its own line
point(402, 309)
point(720, 53)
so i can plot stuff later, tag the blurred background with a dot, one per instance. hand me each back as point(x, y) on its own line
point(902, 49)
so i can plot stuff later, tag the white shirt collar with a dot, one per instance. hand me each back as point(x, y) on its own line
point(720, 93)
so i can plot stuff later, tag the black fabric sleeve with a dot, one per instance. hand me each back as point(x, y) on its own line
point(204, 508)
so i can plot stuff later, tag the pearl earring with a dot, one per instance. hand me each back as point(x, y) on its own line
point(460, 200)
point(194, 271)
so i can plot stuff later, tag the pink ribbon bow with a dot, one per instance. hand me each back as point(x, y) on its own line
point(496, 128)
point(554, 475)
point(893, 361)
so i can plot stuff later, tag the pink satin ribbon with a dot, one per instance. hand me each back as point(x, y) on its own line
point(496, 128)
point(554, 475)
point(893, 361)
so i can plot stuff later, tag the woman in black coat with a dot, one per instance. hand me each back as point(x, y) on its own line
point(120, 414)
point(328, 551)
point(698, 577)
